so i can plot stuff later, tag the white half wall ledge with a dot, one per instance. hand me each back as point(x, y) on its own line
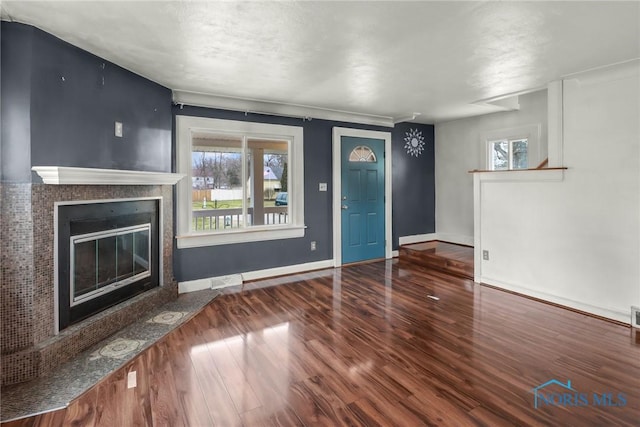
point(65, 175)
point(619, 315)
point(524, 175)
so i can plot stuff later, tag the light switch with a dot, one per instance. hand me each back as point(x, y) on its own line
point(322, 186)
point(119, 129)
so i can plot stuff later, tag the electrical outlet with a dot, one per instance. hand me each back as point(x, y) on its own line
point(322, 186)
point(313, 245)
point(119, 129)
point(132, 380)
point(485, 255)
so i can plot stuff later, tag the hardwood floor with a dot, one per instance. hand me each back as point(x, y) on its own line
point(446, 257)
point(364, 345)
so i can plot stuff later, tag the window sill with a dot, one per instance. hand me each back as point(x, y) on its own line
point(239, 236)
point(543, 174)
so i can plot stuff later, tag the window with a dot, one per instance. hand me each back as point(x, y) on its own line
point(362, 154)
point(244, 181)
point(509, 154)
point(512, 149)
point(235, 180)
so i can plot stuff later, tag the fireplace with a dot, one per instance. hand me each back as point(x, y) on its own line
point(107, 252)
point(80, 203)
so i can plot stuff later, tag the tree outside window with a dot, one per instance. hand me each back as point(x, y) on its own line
point(509, 154)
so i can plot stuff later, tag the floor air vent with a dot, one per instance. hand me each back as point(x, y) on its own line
point(226, 281)
point(635, 317)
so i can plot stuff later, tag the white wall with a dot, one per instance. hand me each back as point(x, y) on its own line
point(575, 241)
point(459, 149)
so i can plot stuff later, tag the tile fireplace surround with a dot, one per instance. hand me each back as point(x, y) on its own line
point(30, 348)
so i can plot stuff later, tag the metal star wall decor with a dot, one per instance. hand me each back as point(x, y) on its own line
point(414, 142)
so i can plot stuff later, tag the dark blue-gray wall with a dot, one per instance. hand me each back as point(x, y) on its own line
point(414, 189)
point(59, 105)
point(62, 103)
point(196, 263)
point(15, 101)
point(413, 200)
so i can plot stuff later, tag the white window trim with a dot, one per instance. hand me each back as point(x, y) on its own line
point(531, 133)
point(185, 237)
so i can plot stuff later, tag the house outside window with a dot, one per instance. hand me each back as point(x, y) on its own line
point(236, 171)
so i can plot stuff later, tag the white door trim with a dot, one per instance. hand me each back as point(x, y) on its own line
point(338, 133)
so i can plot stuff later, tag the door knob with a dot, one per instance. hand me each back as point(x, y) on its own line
point(344, 207)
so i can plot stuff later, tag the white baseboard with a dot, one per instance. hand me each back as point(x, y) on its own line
point(194, 285)
point(610, 313)
point(395, 254)
point(444, 237)
point(456, 238)
point(289, 269)
point(220, 282)
point(417, 238)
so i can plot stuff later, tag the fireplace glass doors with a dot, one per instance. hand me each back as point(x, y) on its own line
point(107, 252)
point(103, 261)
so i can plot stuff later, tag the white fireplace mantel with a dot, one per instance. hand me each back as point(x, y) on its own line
point(62, 175)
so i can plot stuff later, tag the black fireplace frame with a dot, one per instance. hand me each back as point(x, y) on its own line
point(88, 217)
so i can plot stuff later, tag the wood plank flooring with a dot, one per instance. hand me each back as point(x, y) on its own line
point(442, 256)
point(363, 345)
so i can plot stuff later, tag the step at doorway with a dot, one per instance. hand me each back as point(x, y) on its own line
point(446, 257)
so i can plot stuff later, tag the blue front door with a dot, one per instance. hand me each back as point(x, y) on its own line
point(362, 199)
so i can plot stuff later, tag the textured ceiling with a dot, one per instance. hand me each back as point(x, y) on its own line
point(381, 58)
